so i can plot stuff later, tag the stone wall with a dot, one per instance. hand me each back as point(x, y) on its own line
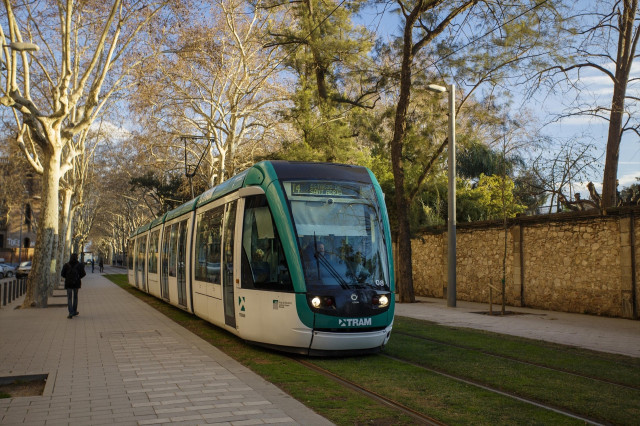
point(571, 262)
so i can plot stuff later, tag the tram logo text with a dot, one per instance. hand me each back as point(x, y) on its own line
point(352, 322)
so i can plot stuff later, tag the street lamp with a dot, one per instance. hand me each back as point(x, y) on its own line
point(22, 47)
point(451, 248)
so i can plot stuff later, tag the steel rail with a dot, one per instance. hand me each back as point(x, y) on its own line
point(510, 358)
point(419, 417)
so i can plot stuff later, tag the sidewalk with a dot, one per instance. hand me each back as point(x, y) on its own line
point(614, 335)
point(122, 362)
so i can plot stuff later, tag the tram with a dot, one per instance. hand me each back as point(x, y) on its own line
point(290, 255)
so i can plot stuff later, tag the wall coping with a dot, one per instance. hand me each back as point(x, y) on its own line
point(577, 216)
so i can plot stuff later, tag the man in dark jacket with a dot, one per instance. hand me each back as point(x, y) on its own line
point(72, 272)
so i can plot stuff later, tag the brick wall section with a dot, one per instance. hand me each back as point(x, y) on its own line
point(584, 263)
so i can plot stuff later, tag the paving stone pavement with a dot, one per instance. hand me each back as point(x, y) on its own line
point(121, 362)
point(613, 335)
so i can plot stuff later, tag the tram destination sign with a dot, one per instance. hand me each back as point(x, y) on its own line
point(324, 189)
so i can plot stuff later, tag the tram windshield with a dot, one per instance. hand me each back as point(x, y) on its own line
point(340, 233)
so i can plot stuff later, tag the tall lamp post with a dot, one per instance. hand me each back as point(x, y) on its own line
point(451, 248)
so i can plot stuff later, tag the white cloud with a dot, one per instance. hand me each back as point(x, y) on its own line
point(628, 179)
point(112, 131)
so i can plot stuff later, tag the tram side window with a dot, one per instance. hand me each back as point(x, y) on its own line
point(208, 245)
point(173, 250)
point(263, 263)
point(130, 254)
point(153, 252)
point(141, 252)
point(165, 251)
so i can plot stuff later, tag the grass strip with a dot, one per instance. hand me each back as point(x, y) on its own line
point(606, 402)
point(448, 400)
point(340, 405)
point(605, 366)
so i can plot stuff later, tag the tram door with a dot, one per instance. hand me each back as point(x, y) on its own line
point(227, 262)
point(135, 248)
point(164, 268)
point(141, 283)
point(182, 262)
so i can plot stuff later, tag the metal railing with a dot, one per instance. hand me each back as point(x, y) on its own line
point(11, 289)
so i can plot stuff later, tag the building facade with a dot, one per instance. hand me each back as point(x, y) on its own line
point(19, 211)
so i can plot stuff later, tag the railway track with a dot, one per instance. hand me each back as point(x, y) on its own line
point(514, 359)
point(500, 392)
point(420, 418)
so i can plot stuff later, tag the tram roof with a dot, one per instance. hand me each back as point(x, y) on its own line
point(182, 209)
point(283, 169)
point(142, 229)
point(224, 188)
point(158, 221)
point(323, 171)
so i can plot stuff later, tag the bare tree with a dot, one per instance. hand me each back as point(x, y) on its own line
point(603, 39)
point(58, 91)
point(559, 171)
point(218, 82)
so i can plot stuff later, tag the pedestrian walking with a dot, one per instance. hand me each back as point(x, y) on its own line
point(92, 265)
point(101, 265)
point(72, 272)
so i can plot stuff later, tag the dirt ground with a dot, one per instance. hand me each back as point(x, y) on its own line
point(22, 388)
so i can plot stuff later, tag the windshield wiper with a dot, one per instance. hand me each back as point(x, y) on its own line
point(329, 267)
point(320, 259)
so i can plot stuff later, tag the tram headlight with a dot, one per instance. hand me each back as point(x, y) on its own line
point(316, 302)
point(380, 301)
point(384, 301)
point(322, 302)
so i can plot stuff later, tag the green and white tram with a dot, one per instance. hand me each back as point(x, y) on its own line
point(293, 256)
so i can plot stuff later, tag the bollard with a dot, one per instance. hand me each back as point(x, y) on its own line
point(490, 300)
point(15, 289)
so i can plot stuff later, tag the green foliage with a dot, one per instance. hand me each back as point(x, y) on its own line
point(496, 196)
point(477, 158)
point(474, 201)
point(167, 194)
point(324, 51)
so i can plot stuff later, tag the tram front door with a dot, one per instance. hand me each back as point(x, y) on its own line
point(227, 262)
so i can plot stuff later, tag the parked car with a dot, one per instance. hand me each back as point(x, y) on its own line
point(23, 269)
point(7, 270)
